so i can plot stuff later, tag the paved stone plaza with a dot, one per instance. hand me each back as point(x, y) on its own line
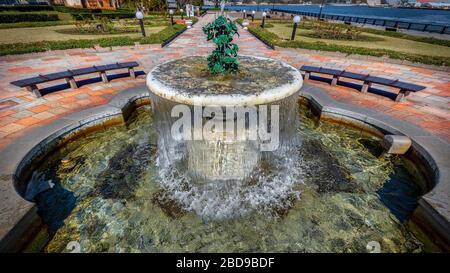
point(21, 111)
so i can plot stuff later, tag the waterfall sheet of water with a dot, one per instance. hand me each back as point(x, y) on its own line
point(222, 178)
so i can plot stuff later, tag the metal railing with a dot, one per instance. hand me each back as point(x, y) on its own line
point(391, 23)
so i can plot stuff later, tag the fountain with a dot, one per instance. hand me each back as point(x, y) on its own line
point(219, 126)
point(217, 164)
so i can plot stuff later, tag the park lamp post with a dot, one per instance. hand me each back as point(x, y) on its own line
point(253, 15)
point(264, 18)
point(243, 14)
point(171, 16)
point(140, 17)
point(321, 7)
point(181, 10)
point(296, 21)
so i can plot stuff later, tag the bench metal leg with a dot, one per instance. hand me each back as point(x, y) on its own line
point(307, 74)
point(365, 87)
point(104, 76)
point(131, 71)
point(334, 80)
point(33, 89)
point(71, 81)
point(401, 95)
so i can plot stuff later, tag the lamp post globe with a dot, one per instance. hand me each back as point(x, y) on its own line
point(264, 14)
point(140, 17)
point(296, 20)
point(171, 16)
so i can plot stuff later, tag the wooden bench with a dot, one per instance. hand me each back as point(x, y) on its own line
point(31, 83)
point(368, 80)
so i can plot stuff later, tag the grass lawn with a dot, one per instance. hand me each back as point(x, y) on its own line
point(36, 34)
point(284, 31)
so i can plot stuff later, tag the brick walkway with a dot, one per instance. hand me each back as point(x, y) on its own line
point(20, 111)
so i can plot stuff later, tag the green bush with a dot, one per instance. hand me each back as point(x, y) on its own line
point(264, 35)
point(111, 15)
point(65, 9)
point(156, 38)
point(26, 17)
point(309, 24)
point(428, 40)
point(26, 8)
point(417, 58)
point(35, 24)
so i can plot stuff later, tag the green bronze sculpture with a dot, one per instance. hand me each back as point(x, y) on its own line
point(223, 59)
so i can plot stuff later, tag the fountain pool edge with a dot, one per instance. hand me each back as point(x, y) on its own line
point(19, 218)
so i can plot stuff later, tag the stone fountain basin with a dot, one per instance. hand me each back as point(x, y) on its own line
point(259, 81)
point(187, 81)
point(19, 218)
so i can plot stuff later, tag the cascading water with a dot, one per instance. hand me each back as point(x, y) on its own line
point(217, 170)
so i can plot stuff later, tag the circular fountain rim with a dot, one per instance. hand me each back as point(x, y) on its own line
point(270, 95)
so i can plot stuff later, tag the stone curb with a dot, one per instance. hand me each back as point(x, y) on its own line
point(17, 215)
point(433, 211)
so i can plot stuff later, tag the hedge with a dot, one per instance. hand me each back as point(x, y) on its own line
point(156, 38)
point(75, 10)
point(111, 15)
point(26, 17)
point(35, 24)
point(64, 9)
point(27, 8)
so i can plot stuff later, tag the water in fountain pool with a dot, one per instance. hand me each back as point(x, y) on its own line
point(110, 198)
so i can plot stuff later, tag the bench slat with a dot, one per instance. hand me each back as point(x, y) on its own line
point(56, 76)
point(128, 64)
point(408, 86)
point(29, 81)
point(379, 80)
point(308, 68)
point(69, 74)
point(330, 71)
point(355, 76)
point(83, 71)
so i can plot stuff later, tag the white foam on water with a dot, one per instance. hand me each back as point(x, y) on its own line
point(262, 193)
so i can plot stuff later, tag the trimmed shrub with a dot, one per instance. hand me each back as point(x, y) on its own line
point(26, 17)
point(27, 8)
point(156, 38)
point(75, 10)
point(35, 24)
point(93, 16)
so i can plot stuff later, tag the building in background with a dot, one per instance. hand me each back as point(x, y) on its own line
point(93, 4)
